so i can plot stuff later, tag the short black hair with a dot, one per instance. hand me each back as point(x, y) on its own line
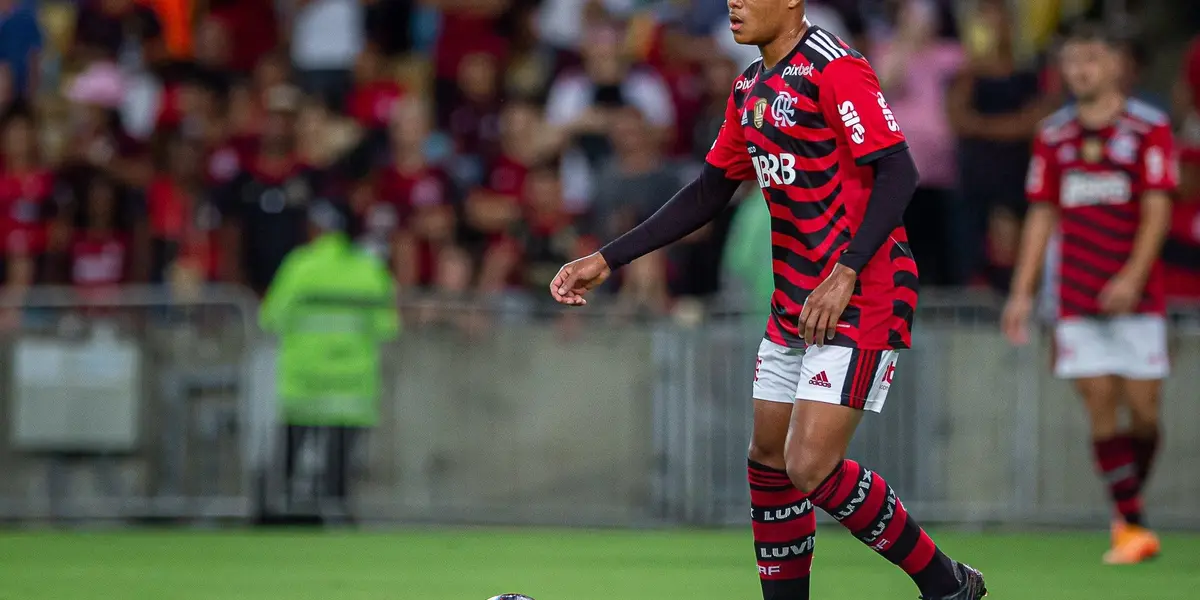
point(1095, 31)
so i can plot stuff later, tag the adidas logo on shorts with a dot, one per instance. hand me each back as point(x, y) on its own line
point(820, 379)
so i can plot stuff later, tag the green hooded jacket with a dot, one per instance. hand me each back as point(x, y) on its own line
point(332, 306)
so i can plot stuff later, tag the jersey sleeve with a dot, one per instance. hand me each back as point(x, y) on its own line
point(728, 151)
point(1158, 164)
point(1043, 180)
point(855, 107)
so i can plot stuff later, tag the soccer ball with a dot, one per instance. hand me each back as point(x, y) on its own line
point(510, 597)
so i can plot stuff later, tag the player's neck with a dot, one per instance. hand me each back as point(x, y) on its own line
point(1102, 111)
point(775, 50)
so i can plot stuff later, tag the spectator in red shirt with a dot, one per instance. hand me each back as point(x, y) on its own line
point(182, 220)
point(251, 25)
point(473, 118)
point(417, 196)
point(375, 92)
point(493, 211)
point(26, 201)
point(468, 27)
point(100, 251)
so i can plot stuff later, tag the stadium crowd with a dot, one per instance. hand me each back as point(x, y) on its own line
point(475, 145)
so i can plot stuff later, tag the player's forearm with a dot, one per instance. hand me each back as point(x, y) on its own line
point(1151, 234)
point(896, 179)
point(1039, 226)
point(695, 205)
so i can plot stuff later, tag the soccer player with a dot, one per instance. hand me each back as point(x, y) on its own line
point(810, 125)
point(1102, 175)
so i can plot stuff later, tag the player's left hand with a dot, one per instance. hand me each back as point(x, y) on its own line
point(825, 305)
point(1121, 294)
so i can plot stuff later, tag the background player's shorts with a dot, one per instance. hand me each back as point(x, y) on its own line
point(833, 374)
point(1129, 346)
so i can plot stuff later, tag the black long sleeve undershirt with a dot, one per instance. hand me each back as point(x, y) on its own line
point(704, 198)
point(690, 209)
point(896, 179)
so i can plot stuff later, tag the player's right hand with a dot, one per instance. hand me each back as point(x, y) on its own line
point(1014, 322)
point(579, 277)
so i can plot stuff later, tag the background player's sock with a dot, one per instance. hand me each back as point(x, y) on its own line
point(866, 505)
point(1145, 448)
point(1116, 463)
point(784, 528)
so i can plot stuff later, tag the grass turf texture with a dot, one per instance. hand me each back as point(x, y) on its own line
point(473, 564)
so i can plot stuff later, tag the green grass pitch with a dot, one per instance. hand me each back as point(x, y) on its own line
point(549, 564)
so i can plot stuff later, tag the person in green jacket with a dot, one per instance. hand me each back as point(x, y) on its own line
point(332, 305)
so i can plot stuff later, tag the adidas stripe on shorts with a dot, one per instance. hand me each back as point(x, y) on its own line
point(848, 376)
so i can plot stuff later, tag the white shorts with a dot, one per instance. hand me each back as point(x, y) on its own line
point(833, 374)
point(1129, 346)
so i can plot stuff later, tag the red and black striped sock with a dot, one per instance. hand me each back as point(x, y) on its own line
point(1117, 464)
point(785, 529)
point(1145, 449)
point(866, 505)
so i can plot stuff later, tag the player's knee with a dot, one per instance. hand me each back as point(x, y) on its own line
point(807, 469)
point(766, 452)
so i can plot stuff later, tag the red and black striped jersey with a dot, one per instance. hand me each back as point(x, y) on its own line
point(807, 130)
point(1096, 179)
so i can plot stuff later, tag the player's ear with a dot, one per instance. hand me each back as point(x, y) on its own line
point(794, 4)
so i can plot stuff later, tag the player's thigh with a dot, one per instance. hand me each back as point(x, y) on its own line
point(836, 385)
point(1085, 348)
point(1142, 398)
point(776, 375)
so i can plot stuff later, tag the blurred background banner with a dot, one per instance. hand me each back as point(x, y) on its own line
point(184, 184)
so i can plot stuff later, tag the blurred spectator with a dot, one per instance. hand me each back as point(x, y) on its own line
point(26, 202)
point(562, 23)
point(183, 219)
point(925, 36)
point(100, 252)
point(375, 93)
point(472, 120)
point(531, 62)
point(550, 236)
point(994, 108)
point(98, 137)
point(251, 26)
point(326, 37)
point(719, 73)
point(264, 208)
point(389, 25)
point(636, 181)
point(414, 196)
point(118, 30)
point(493, 211)
point(467, 27)
point(176, 19)
point(20, 46)
point(581, 104)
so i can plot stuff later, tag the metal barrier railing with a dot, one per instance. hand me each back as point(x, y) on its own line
point(127, 403)
point(506, 412)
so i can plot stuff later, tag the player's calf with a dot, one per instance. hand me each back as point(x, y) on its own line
point(785, 528)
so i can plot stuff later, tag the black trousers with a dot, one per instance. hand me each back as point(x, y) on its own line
point(318, 463)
